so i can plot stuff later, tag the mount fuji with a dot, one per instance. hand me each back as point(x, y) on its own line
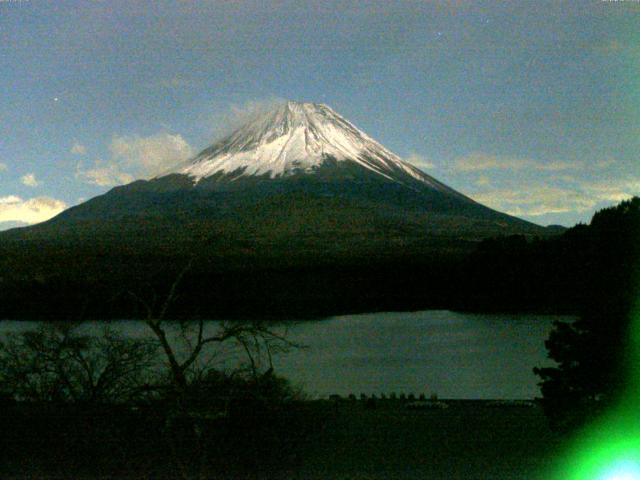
point(298, 172)
point(298, 139)
point(297, 212)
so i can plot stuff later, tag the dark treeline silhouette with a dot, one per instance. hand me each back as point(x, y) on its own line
point(594, 352)
point(240, 279)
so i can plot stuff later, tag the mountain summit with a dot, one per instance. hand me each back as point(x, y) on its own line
point(296, 139)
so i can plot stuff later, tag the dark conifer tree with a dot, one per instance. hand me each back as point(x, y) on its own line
point(593, 353)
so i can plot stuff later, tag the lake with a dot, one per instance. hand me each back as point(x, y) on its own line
point(455, 355)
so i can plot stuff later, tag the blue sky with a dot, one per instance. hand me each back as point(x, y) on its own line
point(532, 108)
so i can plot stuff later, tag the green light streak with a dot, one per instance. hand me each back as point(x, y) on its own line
point(609, 451)
point(610, 448)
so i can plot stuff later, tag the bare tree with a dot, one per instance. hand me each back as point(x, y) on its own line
point(188, 348)
point(259, 340)
point(59, 362)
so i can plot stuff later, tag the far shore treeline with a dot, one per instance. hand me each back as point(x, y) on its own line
point(105, 278)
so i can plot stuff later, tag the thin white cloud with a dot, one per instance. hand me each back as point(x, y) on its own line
point(78, 149)
point(134, 157)
point(536, 200)
point(33, 210)
point(478, 162)
point(420, 161)
point(612, 190)
point(9, 199)
point(30, 180)
point(103, 174)
point(579, 196)
point(236, 115)
point(557, 166)
point(483, 181)
point(148, 156)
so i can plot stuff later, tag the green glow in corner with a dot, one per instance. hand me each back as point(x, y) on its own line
point(611, 454)
point(623, 470)
point(610, 448)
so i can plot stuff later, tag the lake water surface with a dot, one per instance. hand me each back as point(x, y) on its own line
point(456, 355)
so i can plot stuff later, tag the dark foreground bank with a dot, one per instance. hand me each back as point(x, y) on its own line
point(343, 439)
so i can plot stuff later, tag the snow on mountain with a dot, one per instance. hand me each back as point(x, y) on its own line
point(297, 138)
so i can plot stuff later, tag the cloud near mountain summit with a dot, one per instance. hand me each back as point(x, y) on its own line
point(134, 157)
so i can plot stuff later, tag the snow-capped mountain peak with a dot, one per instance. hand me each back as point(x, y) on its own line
point(297, 138)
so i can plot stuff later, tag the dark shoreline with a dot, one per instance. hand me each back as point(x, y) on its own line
point(323, 439)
